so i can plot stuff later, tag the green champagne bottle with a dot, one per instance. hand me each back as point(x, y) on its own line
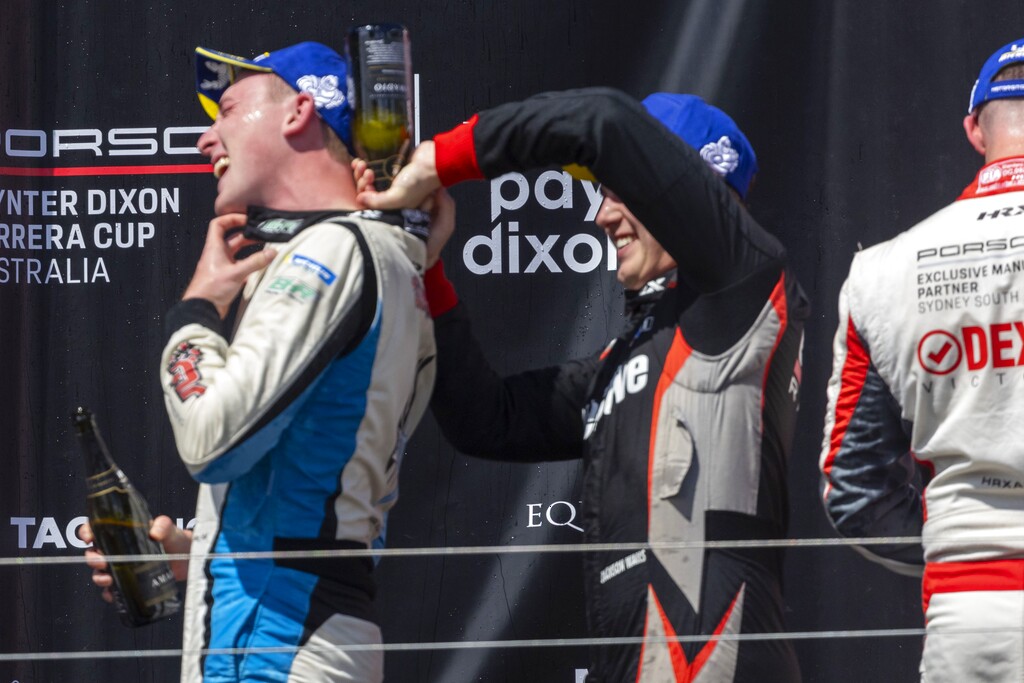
point(143, 591)
point(380, 66)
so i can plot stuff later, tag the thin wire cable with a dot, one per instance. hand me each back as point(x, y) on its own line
point(507, 644)
point(511, 550)
point(1000, 541)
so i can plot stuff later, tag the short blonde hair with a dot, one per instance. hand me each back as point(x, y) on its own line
point(279, 89)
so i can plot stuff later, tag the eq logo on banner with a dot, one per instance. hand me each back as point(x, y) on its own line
point(558, 513)
point(510, 249)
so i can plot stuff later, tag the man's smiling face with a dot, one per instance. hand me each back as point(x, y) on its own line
point(242, 140)
point(641, 257)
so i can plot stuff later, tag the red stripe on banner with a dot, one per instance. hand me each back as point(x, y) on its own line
point(105, 170)
point(855, 371)
point(960, 577)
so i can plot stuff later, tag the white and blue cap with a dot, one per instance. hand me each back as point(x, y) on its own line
point(711, 132)
point(308, 67)
point(984, 89)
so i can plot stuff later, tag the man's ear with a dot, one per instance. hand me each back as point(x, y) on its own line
point(301, 113)
point(975, 135)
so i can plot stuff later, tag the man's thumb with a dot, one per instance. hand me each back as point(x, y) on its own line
point(373, 200)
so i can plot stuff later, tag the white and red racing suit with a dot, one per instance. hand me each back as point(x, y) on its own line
point(683, 423)
point(925, 426)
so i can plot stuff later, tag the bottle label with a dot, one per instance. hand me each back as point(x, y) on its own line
point(385, 69)
point(156, 581)
point(106, 482)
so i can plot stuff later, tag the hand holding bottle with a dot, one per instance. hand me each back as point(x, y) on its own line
point(144, 591)
point(438, 203)
point(416, 181)
point(174, 541)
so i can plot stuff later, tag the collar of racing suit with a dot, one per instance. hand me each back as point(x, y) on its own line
point(1002, 175)
point(274, 225)
point(640, 301)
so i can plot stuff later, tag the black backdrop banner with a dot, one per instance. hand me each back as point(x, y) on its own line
point(854, 110)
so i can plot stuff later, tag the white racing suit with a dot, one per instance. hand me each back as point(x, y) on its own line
point(925, 427)
point(295, 426)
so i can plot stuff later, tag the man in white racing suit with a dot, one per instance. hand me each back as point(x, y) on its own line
point(295, 421)
point(924, 433)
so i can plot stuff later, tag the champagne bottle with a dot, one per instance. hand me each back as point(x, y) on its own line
point(143, 591)
point(380, 69)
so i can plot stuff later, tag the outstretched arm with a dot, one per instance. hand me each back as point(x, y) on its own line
point(685, 205)
point(532, 416)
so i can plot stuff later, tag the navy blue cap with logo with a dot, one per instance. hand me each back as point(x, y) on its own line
point(711, 132)
point(985, 89)
point(307, 67)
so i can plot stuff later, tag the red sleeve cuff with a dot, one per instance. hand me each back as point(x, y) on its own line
point(455, 154)
point(441, 295)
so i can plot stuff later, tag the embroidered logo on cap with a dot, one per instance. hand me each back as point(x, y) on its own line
point(721, 156)
point(223, 72)
point(324, 90)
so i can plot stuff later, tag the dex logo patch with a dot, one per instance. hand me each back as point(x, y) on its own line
point(979, 347)
point(939, 352)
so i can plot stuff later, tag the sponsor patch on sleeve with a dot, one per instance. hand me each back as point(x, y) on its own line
point(293, 288)
point(183, 367)
point(315, 267)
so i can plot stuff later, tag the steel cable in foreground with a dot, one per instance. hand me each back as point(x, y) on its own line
point(498, 644)
point(783, 543)
point(503, 550)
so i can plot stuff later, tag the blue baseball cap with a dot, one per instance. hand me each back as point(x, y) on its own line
point(710, 131)
point(308, 67)
point(984, 89)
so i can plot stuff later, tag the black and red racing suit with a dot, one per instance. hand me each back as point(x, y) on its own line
point(684, 422)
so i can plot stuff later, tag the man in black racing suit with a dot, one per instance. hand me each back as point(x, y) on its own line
point(684, 422)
